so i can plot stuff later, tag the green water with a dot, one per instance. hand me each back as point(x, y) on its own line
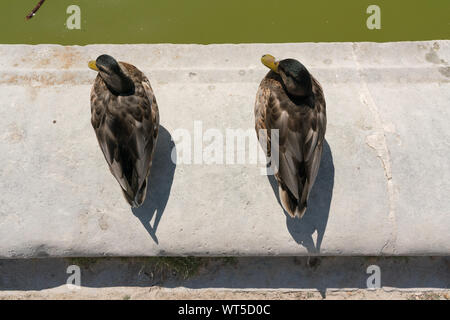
point(231, 21)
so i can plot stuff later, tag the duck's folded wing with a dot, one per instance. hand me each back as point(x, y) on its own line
point(110, 148)
point(315, 136)
point(299, 156)
point(312, 152)
point(143, 137)
point(145, 134)
point(154, 112)
point(261, 107)
point(291, 169)
point(129, 156)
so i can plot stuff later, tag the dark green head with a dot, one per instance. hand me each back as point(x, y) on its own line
point(295, 76)
point(113, 75)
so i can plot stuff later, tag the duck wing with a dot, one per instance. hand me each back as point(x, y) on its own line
point(316, 134)
point(262, 131)
point(127, 130)
point(300, 134)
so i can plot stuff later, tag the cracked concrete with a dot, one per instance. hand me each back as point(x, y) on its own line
point(377, 141)
point(382, 188)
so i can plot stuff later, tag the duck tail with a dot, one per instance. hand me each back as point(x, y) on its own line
point(129, 198)
point(140, 195)
point(136, 199)
point(302, 204)
point(293, 206)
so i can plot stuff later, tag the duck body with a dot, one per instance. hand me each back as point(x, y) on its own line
point(300, 122)
point(126, 126)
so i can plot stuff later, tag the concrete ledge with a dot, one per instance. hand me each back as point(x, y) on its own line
point(382, 188)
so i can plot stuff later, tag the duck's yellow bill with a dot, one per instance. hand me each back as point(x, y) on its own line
point(269, 62)
point(92, 65)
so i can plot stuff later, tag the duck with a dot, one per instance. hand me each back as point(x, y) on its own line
point(291, 101)
point(125, 118)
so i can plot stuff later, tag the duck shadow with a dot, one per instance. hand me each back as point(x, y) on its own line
point(159, 184)
point(316, 216)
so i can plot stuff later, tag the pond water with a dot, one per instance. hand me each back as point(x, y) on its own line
point(231, 21)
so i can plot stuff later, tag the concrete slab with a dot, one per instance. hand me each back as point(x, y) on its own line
point(24, 277)
point(382, 187)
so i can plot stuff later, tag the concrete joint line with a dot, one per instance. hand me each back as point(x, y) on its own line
point(377, 142)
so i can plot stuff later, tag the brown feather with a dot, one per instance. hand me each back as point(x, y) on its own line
point(127, 131)
point(301, 134)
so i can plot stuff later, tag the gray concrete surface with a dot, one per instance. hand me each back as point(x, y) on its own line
point(382, 188)
point(241, 278)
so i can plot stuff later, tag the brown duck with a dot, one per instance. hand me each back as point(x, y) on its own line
point(291, 100)
point(125, 118)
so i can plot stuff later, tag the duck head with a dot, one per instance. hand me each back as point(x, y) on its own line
point(295, 77)
point(112, 74)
